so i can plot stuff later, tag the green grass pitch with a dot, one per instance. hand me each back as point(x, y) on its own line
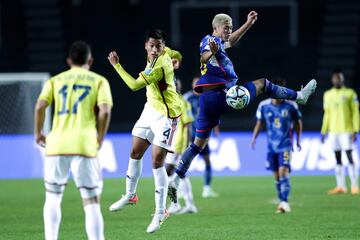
point(243, 211)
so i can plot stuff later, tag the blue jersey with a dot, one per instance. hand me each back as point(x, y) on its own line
point(279, 120)
point(194, 100)
point(219, 70)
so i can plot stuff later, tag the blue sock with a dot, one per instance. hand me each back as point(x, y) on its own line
point(284, 188)
point(277, 186)
point(279, 92)
point(207, 175)
point(186, 159)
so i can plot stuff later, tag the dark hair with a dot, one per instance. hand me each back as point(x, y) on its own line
point(279, 81)
point(79, 52)
point(337, 71)
point(156, 34)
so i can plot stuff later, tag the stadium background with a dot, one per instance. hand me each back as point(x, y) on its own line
point(296, 39)
point(35, 35)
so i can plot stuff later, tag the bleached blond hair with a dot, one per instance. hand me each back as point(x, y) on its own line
point(220, 19)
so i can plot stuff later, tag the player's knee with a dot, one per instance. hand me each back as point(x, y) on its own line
point(92, 200)
point(55, 188)
point(135, 154)
point(157, 164)
point(170, 169)
point(90, 192)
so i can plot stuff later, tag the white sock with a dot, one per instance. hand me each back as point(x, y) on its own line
point(340, 176)
point(52, 215)
point(133, 175)
point(161, 189)
point(353, 174)
point(94, 222)
point(187, 191)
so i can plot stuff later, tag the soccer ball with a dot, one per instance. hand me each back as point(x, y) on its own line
point(237, 97)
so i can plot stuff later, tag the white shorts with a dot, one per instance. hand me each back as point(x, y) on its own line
point(340, 141)
point(172, 159)
point(86, 173)
point(156, 128)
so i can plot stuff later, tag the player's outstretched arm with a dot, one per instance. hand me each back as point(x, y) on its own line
point(103, 121)
point(237, 35)
point(39, 117)
point(132, 83)
point(258, 126)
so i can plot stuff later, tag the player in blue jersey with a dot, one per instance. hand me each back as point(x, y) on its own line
point(194, 99)
point(280, 117)
point(217, 76)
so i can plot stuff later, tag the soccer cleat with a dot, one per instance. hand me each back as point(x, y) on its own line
point(355, 191)
point(128, 199)
point(337, 190)
point(209, 193)
point(157, 220)
point(188, 209)
point(174, 208)
point(305, 93)
point(173, 186)
point(283, 207)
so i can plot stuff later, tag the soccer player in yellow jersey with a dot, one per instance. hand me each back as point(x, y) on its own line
point(341, 121)
point(156, 125)
point(75, 138)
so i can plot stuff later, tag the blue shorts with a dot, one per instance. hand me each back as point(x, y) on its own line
point(276, 160)
point(212, 106)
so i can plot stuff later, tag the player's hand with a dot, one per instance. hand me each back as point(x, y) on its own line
point(113, 58)
point(322, 138)
point(40, 139)
point(214, 48)
point(252, 17)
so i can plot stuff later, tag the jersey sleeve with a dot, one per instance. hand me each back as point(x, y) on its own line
point(47, 92)
point(104, 94)
point(355, 112)
point(204, 45)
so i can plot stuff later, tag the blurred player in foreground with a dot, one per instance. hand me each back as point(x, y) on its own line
point(75, 138)
point(279, 116)
point(194, 98)
point(341, 121)
point(172, 159)
point(218, 75)
point(180, 144)
point(156, 125)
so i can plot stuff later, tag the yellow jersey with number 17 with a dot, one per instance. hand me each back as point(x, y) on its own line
point(160, 90)
point(76, 93)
